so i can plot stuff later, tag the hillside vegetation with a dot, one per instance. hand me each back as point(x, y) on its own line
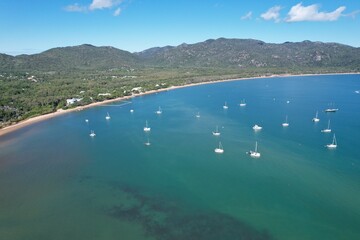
point(35, 84)
point(254, 53)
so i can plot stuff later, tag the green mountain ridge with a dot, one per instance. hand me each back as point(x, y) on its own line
point(242, 53)
point(84, 56)
point(219, 53)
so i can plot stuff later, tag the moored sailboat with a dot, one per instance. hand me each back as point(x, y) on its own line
point(316, 119)
point(242, 103)
point(219, 149)
point(159, 111)
point(254, 154)
point(257, 127)
point(147, 128)
point(328, 129)
point(285, 124)
point(92, 133)
point(216, 132)
point(225, 106)
point(331, 110)
point(333, 144)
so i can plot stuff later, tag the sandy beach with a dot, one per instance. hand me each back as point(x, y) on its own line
point(33, 120)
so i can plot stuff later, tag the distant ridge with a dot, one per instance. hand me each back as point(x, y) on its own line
point(243, 53)
point(218, 53)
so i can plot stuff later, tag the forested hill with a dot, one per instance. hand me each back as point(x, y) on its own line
point(219, 53)
point(244, 53)
point(80, 57)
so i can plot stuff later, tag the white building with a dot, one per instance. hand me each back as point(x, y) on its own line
point(72, 101)
point(104, 94)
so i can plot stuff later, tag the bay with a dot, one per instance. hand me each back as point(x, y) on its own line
point(56, 182)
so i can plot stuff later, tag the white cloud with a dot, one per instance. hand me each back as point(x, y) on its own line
point(75, 8)
point(352, 14)
point(247, 16)
point(272, 14)
point(100, 4)
point(117, 12)
point(96, 5)
point(299, 13)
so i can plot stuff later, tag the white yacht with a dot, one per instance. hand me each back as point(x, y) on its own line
point(219, 149)
point(333, 144)
point(316, 119)
point(225, 106)
point(254, 154)
point(147, 143)
point(328, 129)
point(159, 111)
point(257, 127)
point(242, 103)
point(331, 110)
point(87, 120)
point(216, 132)
point(147, 128)
point(107, 116)
point(197, 115)
point(131, 110)
point(285, 124)
point(92, 134)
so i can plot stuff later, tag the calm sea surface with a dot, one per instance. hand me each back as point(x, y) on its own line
point(56, 182)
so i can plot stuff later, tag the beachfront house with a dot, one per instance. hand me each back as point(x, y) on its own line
point(136, 90)
point(72, 101)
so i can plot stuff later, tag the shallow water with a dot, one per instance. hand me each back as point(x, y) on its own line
point(58, 183)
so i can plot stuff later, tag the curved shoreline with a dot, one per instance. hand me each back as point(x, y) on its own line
point(40, 118)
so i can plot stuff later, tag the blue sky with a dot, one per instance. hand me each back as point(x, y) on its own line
point(32, 26)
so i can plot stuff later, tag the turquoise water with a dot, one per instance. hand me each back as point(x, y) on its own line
point(58, 183)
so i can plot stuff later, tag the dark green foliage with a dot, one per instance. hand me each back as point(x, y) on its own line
point(70, 59)
point(32, 85)
point(244, 53)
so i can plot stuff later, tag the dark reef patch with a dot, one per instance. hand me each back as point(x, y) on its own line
point(169, 221)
